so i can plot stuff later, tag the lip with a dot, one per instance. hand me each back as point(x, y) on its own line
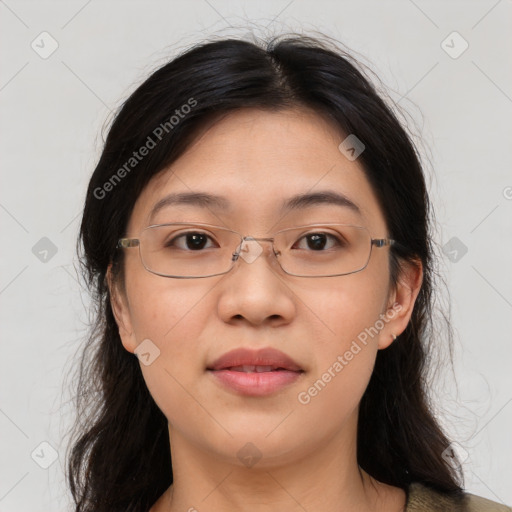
point(262, 357)
point(281, 371)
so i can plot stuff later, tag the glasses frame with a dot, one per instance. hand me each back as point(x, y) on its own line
point(128, 243)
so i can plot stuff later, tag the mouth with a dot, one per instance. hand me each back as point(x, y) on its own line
point(252, 368)
point(255, 373)
point(262, 360)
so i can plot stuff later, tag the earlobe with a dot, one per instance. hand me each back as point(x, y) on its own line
point(121, 313)
point(404, 299)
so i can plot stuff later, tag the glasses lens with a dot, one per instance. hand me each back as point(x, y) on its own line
point(186, 250)
point(327, 250)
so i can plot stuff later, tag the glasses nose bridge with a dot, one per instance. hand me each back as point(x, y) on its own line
point(262, 239)
point(249, 238)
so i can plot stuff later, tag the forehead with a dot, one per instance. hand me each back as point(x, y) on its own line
point(260, 166)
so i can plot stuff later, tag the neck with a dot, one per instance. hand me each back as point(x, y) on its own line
point(314, 480)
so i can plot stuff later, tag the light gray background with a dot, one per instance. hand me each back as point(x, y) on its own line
point(52, 113)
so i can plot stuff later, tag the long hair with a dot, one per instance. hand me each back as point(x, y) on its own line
point(120, 456)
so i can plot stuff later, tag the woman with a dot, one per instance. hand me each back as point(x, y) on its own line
point(257, 238)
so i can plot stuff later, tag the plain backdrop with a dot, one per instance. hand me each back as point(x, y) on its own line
point(67, 65)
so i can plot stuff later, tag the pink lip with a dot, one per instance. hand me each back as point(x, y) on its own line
point(284, 372)
point(262, 357)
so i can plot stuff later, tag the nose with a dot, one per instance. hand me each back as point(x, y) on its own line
point(255, 290)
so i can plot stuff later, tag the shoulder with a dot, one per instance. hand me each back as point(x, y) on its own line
point(424, 499)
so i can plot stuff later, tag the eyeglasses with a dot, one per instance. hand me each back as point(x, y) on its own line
point(194, 250)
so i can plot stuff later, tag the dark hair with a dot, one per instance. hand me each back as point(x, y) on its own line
point(120, 459)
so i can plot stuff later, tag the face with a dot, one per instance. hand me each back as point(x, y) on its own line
point(257, 160)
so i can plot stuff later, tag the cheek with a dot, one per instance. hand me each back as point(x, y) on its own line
point(172, 314)
point(344, 339)
point(345, 309)
point(168, 312)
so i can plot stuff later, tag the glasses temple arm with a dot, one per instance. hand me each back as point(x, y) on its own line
point(126, 243)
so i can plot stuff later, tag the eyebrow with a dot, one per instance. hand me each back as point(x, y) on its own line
point(216, 202)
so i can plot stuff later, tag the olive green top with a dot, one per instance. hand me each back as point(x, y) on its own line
point(424, 499)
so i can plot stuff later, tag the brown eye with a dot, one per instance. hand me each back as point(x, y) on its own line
point(318, 241)
point(189, 241)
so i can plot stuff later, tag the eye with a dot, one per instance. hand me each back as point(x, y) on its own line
point(320, 241)
point(194, 241)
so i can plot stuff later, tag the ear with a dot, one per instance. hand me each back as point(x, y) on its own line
point(401, 302)
point(121, 311)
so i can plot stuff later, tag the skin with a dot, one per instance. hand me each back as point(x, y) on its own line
point(308, 452)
